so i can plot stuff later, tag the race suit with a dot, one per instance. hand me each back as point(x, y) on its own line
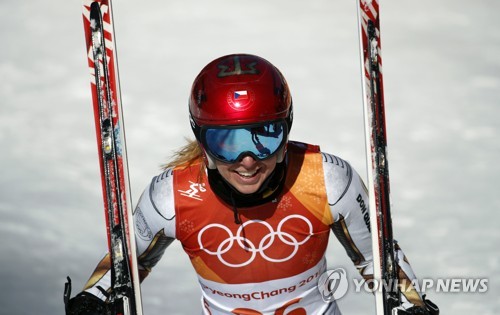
point(270, 262)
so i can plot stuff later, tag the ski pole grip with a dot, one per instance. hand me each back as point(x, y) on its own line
point(431, 307)
point(67, 294)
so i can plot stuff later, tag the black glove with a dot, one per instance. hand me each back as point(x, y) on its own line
point(429, 309)
point(83, 303)
point(86, 304)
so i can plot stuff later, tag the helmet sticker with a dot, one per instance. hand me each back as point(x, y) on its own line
point(225, 70)
point(240, 99)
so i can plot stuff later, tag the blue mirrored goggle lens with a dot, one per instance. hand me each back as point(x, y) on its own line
point(228, 144)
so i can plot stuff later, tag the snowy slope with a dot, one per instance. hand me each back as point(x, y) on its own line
point(442, 83)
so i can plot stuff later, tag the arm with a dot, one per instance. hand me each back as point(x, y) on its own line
point(348, 199)
point(154, 219)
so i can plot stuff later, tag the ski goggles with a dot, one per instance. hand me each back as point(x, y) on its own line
point(229, 144)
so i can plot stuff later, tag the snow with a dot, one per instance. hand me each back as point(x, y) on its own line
point(441, 74)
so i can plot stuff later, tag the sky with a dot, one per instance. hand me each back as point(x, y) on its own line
point(442, 95)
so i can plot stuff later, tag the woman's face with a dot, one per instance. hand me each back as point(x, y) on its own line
point(248, 174)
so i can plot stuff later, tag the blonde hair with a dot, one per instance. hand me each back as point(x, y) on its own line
point(186, 156)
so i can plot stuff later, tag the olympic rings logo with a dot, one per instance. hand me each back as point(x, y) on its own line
point(265, 243)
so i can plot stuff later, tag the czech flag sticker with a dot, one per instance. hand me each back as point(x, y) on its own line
point(240, 95)
point(240, 99)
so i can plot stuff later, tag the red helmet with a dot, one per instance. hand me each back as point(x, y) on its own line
point(239, 89)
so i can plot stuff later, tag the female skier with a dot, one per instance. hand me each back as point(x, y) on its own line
point(252, 209)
